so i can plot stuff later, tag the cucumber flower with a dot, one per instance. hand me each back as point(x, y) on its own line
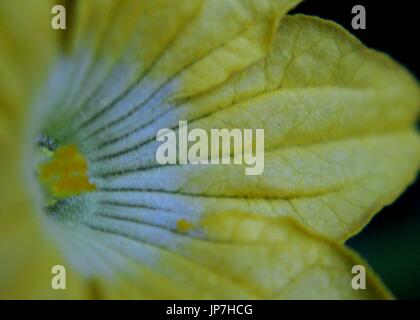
point(80, 186)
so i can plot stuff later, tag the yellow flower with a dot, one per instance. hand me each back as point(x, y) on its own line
point(80, 186)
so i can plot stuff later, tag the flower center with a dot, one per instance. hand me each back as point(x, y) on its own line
point(62, 172)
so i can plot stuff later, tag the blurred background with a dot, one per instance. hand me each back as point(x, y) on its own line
point(391, 241)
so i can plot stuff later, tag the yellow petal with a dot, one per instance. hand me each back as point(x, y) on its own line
point(27, 252)
point(27, 49)
point(340, 137)
point(199, 45)
point(107, 59)
point(23, 25)
point(235, 256)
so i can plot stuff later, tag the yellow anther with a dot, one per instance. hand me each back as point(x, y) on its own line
point(66, 173)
